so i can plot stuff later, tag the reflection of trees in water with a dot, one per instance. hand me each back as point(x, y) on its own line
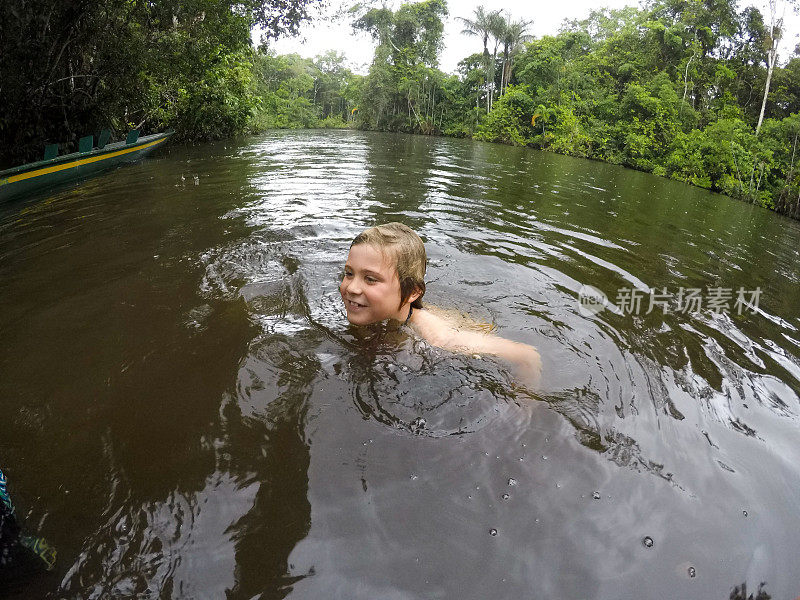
point(276, 380)
point(158, 456)
point(206, 478)
point(278, 464)
point(397, 169)
point(679, 366)
point(740, 593)
point(581, 407)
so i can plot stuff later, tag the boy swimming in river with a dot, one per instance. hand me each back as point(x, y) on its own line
point(384, 279)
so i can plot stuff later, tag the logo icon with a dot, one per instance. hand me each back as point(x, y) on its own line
point(591, 301)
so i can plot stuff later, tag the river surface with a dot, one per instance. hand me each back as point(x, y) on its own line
point(185, 412)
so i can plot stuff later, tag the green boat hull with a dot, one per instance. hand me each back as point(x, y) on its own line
point(21, 181)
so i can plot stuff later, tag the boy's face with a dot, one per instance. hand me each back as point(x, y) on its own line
point(370, 288)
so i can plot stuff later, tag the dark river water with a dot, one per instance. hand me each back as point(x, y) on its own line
point(185, 412)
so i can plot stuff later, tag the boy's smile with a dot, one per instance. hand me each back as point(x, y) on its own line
point(370, 288)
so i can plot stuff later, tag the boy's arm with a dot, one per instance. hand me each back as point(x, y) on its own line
point(524, 357)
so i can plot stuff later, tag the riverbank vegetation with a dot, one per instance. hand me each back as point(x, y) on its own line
point(68, 69)
point(686, 89)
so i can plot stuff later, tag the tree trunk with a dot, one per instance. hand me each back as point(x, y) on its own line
point(486, 58)
point(491, 83)
point(505, 63)
point(797, 208)
point(773, 55)
point(686, 79)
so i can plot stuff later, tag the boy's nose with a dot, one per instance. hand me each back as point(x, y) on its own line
point(353, 288)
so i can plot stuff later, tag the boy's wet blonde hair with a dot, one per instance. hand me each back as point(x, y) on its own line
point(401, 243)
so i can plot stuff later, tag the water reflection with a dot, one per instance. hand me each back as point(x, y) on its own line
point(271, 416)
point(740, 593)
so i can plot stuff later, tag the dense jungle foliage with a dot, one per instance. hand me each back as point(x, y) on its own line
point(686, 89)
point(70, 68)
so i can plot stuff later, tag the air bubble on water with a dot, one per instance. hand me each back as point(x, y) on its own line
point(469, 497)
point(512, 481)
point(493, 532)
point(413, 477)
point(524, 445)
point(505, 496)
point(648, 542)
point(558, 485)
point(596, 495)
point(404, 368)
point(544, 457)
point(123, 525)
point(536, 520)
point(486, 454)
point(521, 458)
point(744, 512)
point(692, 572)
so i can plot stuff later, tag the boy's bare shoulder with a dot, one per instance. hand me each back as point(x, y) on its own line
point(437, 330)
point(443, 333)
point(440, 329)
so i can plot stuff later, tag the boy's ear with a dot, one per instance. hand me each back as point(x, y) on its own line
point(415, 294)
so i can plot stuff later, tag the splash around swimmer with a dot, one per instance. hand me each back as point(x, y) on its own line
point(383, 279)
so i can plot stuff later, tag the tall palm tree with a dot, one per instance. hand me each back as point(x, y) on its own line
point(482, 26)
point(497, 28)
point(514, 36)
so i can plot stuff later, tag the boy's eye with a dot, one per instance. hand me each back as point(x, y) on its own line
point(370, 279)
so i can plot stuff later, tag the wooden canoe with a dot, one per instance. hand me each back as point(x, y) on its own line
point(22, 180)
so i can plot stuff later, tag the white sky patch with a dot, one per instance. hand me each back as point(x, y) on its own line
point(323, 35)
